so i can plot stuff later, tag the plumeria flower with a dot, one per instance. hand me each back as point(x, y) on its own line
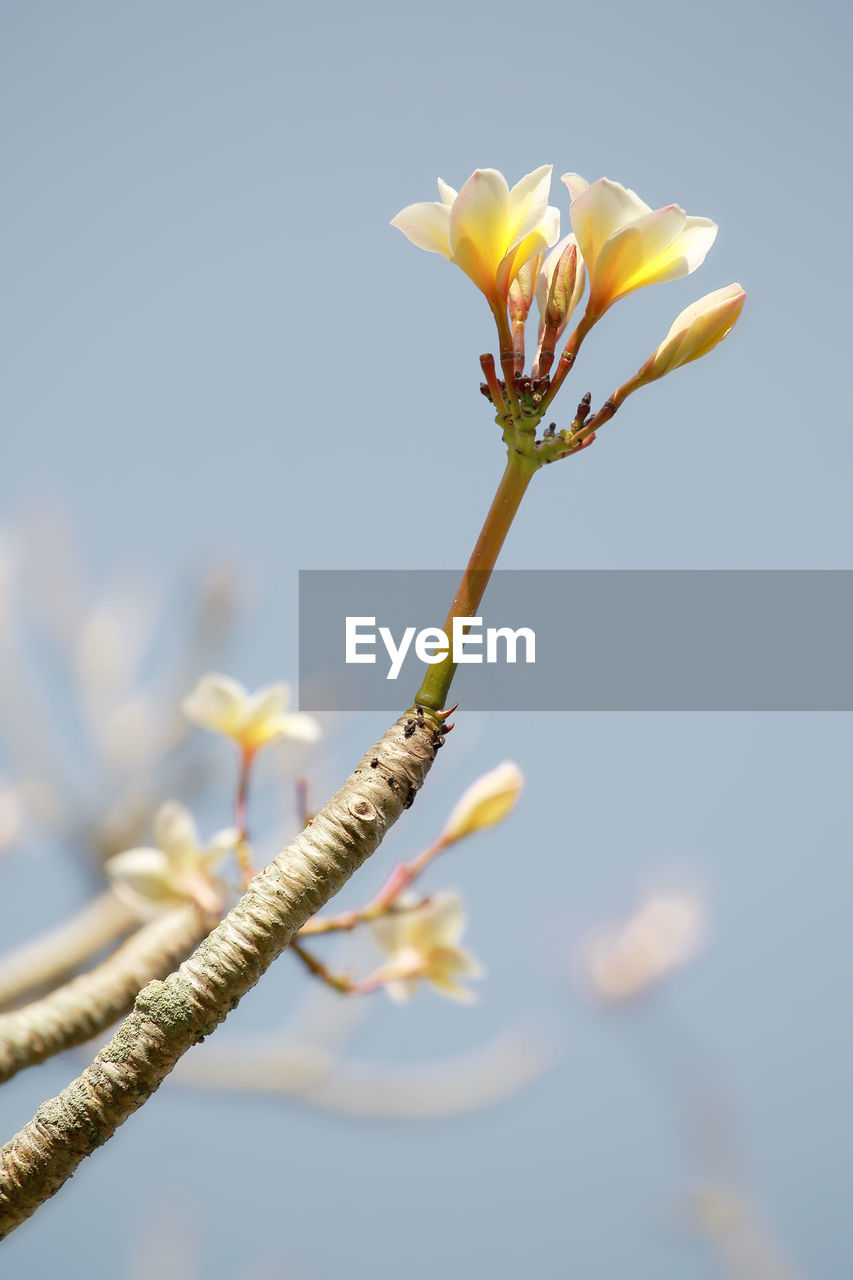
point(626, 245)
point(487, 229)
point(178, 870)
point(422, 944)
point(486, 802)
point(252, 719)
point(658, 938)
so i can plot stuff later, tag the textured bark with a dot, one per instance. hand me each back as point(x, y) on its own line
point(94, 1001)
point(171, 1016)
point(50, 959)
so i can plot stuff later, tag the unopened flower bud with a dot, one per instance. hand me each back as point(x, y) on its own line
point(486, 802)
point(523, 288)
point(560, 286)
point(696, 331)
point(693, 334)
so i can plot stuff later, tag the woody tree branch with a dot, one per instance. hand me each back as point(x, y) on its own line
point(92, 1002)
point(51, 958)
point(169, 1017)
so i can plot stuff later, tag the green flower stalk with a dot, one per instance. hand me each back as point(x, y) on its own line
point(501, 237)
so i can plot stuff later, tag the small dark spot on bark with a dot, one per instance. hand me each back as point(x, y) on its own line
point(409, 729)
point(374, 764)
point(410, 798)
point(392, 782)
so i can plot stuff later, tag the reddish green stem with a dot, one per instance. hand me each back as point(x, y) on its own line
point(436, 686)
point(567, 360)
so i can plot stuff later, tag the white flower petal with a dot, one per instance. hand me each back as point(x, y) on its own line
point(427, 225)
point(299, 727)
point(447, 193)
point(599, 211)
point(265, 703)
point(631, 254)
point(216, 702)
point(478, 226)
point(175, 831)
point(440, 922)
point(391, 932)
point(575, 183)
point(695, 241)
point(401, 990)
point(143, 879)
point(528, 203)
point(223, 842)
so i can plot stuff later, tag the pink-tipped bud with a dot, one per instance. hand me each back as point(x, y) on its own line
point(562, 287)
point(486, 802)
point(523, 288)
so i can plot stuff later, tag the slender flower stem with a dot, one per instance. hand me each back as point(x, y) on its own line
point(436, 686)
point(545, 352)
point(341, 982)
point(400, 879)
point(343, 922)
point(241, 801)
point(487, 363)
point(315, 967)
point(406, 873)
point(567, 360)
point(518, 327)
point(302, 807)
point(507, 356)
point(241, 817)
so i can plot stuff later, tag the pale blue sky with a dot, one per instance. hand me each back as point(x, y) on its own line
point(215, 344)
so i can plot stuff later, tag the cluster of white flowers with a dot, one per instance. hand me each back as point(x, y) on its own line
point(178, 868)
point(420, 937)
point(501, 237)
